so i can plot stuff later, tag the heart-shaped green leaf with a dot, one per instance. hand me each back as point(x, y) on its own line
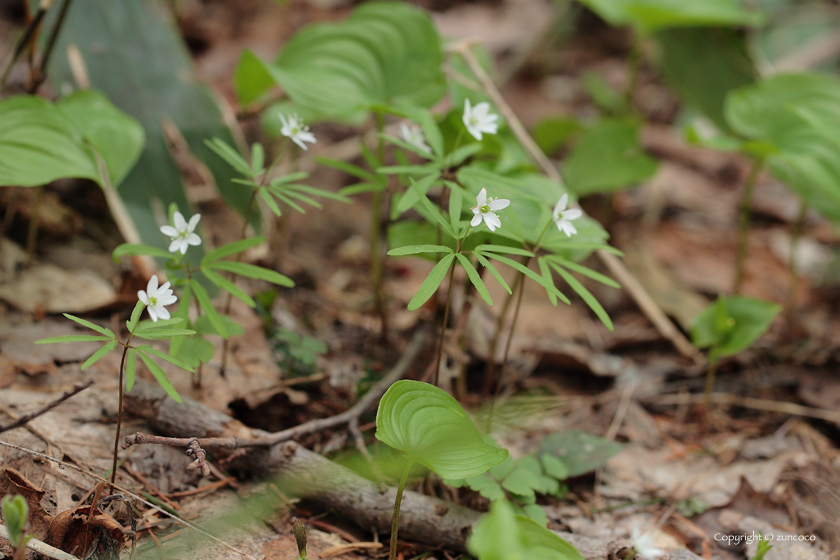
point(732, 324)
point(434, 430)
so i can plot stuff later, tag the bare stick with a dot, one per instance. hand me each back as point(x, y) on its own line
point(780, 407)
point(43, 410)
point(664, 325)
point(41, 547)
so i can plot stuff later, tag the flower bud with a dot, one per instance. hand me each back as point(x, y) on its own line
point(300, 537)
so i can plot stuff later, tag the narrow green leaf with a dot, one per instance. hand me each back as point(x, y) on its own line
point(160, 375)
point(292, 193)
point(405, 146)
point(164, 356)
point(532, 275)
point(131, 324)
point(411, 196)
point(475, 278)
point(164, 333)
point(406, 169)
point(134, 249)
point(348, 168)
point(431, 283)
point(72, 338)
point(149, 325)
point(434, 212)
point(93, 326)
point(434, 430)
point(282, 196)
point(183, 312)
point(585, 271)
point(504, 249)
point(492, 269)
point(204, 301)
point(230, 155)
point(414, 249)
point(224, 284)
point(253, 271)
point(290, 178)
point(231, 249)
point(546, 273)
point(99, 354)
point(456, 204)
point(257, 159)
point(130, 368)
point(270, 202)
point(585, 295)
point(321, 192)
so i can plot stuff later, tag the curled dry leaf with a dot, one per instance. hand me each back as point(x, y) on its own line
point(87, 531)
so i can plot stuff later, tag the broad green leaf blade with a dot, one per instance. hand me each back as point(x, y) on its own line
point(163, 356)
point(744, 320)
point(607, 158)
point(160, 375)
point(207, 306)
point(203, 326)
point(580, 452)
point(384, 53)
point(130, 368)
point(431, 283)
point(414, 249)
point(434, 430)
point(99, 354)
point(474, 277)
point(231, 249)
point(39, 144)
point(585, 295)
point(257, 159)
point(650, 15)
point(224, 284)
point(252, 271)
point(195, 351)
point(72, 338)
point(102, 330)
point(117, 137)
point(492, 269)
point(134, 249)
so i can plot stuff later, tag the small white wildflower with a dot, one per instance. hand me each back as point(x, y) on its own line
point(182, 234)
point(294, 129)
point(155, 298)
point(486, 209)
point(479, 119)
point(563, 217)
point(413, 135)
point(644, 545)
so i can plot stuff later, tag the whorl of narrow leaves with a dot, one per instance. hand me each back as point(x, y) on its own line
point(434, 430)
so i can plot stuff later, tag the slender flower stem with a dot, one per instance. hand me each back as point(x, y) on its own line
point(395, 522)
point(744, 225)
point(120, 410)
point(376, 258)
point(252, 201)
point(439, 357)
point(710, 379)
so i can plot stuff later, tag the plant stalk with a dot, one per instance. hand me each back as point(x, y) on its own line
point(439, 357)
point(744, 216)
point(395, 523)
point(119, 414)
point(24, 39)
point(376, 259)
point(40, 74)
point(710, 379)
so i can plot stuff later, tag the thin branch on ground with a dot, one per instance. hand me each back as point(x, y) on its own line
point(361, 406)
point(43, 410)
point(781, 407)
point(649, 307)
point(41, 547)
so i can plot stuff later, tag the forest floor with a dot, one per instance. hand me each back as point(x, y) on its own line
point(765, 458)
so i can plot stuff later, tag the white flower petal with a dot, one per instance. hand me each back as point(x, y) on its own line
point(193, 222)
point(499, 204)
point(476, 221)
point(141, 295)
point(152, 313)
point(481, 199)
point(180, 222)
point(492, 221)
point(169, 231)
point(572, 214)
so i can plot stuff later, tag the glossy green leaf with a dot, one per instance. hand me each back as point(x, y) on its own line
point(39, 144)
point(160, 376)
point(99, 354)
point(474, 277)
point(231, 249)
point(130, 368)
point(415, 249)
point(608, 157)
point(207, 306)
point(431, 283)
point(732, 324)
point(650, 15)
point(430, 426)
point(252, 271)
point(117, 137)
point(384, 53)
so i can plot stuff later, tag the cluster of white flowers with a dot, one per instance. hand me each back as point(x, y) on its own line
point(486, 208)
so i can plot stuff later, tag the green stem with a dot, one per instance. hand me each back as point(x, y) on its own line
point(395, 522)
point(376, 258)
point(32, 232)
point(744, 216)
point(710, 379)
point(445, 320)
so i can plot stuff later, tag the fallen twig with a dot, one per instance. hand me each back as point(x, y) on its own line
point(43, 410)
point(781, 407)
point(41, 547)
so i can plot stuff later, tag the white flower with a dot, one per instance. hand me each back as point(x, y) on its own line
point(643, 544)
point(294, 129)
point(563, 217)
point(182, 234)
point(156, 298)
point(479, 119)
point(413, 135)
point(486, 209)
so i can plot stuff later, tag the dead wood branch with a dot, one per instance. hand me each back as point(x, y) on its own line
point(43, 410)
point(41, 547)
